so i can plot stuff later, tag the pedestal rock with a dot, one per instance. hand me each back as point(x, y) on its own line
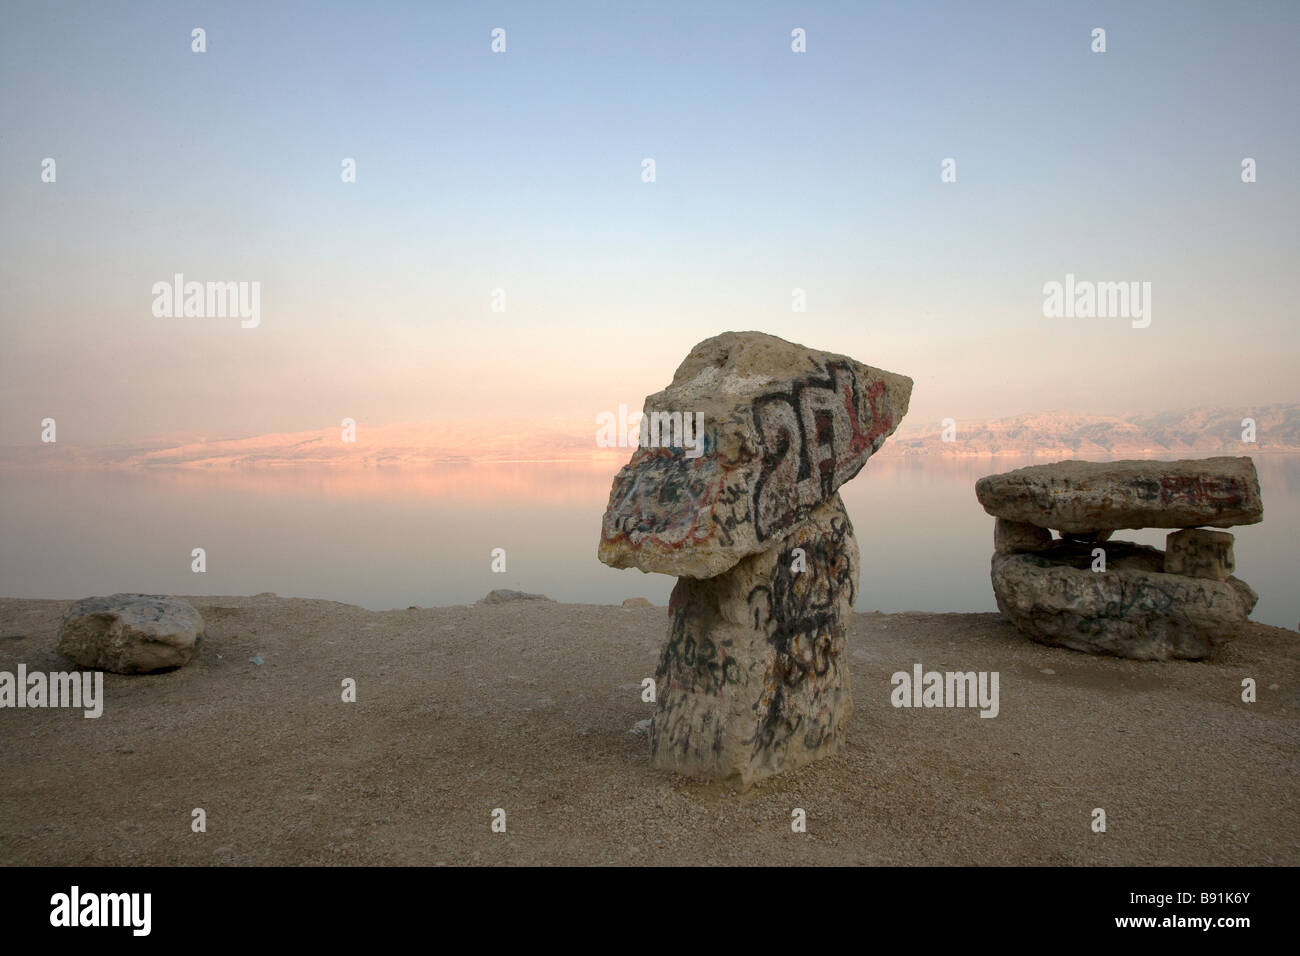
point(744, 509)
point(754, 677)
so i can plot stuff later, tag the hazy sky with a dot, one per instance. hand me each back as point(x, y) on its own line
point(523, 171)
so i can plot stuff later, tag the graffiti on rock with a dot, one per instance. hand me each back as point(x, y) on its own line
point(802, 615)
point(813, 442)
point(811, 439)
point(695, 663)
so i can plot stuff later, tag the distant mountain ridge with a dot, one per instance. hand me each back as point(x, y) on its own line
point(1050, 435)
point(1198, 431)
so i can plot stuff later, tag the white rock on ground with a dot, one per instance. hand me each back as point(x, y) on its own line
point(131, 633)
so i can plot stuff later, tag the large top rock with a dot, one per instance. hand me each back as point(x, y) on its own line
point(784, 427)
point(1077, 496)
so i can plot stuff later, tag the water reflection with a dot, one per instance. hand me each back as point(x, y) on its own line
point(386, 538)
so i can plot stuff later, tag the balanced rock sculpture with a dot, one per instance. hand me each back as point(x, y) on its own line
point(753, 679)
point(1128, 600)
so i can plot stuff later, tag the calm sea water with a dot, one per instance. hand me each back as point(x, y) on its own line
point(390, 539)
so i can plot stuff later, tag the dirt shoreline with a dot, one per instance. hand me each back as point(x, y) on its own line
point(529, 707)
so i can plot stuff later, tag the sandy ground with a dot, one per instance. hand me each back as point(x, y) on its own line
point(529, 707)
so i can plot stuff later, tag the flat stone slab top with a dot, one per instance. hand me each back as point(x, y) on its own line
point(131, 633)
point(1086, 496)
point(784, 427)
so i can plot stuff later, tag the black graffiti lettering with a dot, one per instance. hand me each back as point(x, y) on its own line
point(799, 612)
point(810, 447)
point(696, 664)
